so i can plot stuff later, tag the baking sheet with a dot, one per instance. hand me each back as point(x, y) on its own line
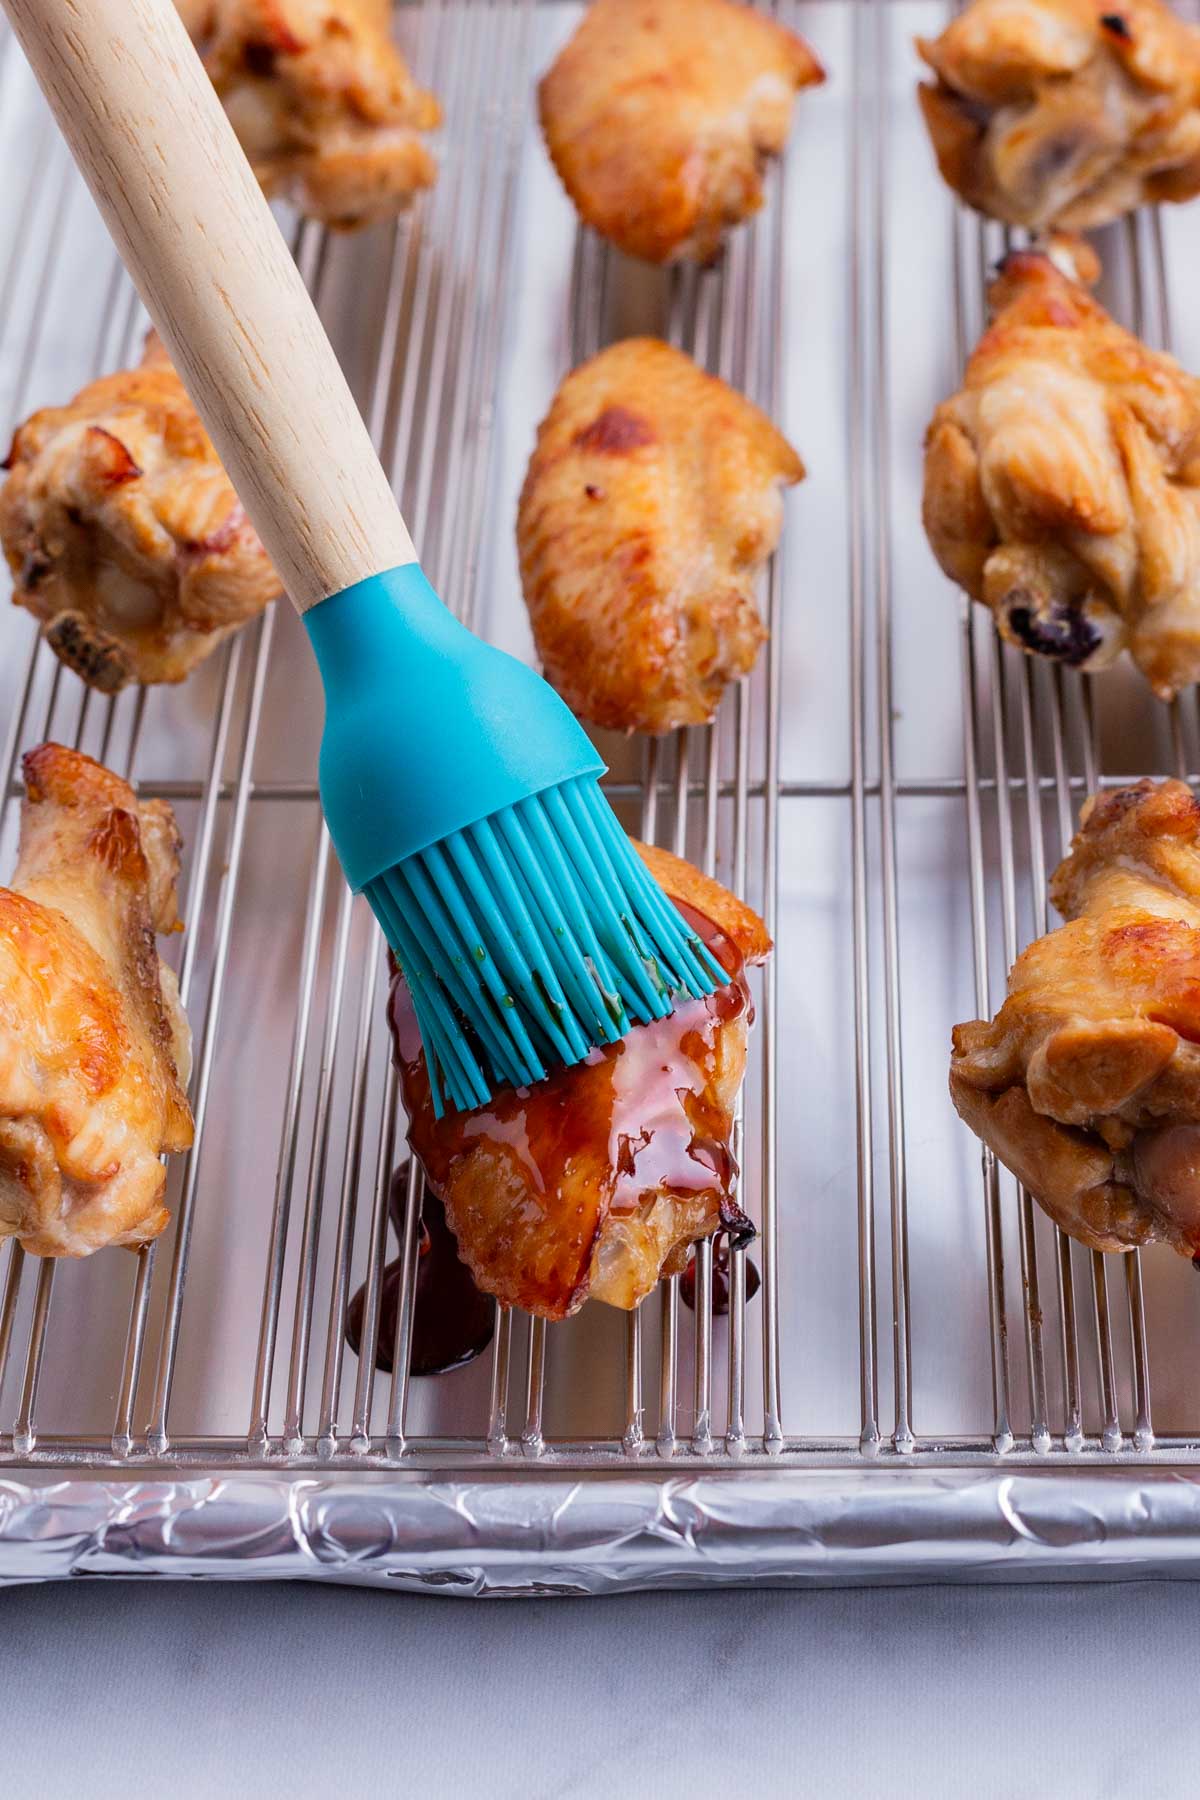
point(860, 245)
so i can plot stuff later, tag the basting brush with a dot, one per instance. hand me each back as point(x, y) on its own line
point(461, 795)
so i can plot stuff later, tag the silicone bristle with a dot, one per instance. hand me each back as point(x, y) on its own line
point(531, 938)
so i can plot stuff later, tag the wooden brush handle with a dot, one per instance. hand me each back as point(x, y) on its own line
point(158, 153)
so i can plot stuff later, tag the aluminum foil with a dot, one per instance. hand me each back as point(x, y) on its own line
point(595, 1535)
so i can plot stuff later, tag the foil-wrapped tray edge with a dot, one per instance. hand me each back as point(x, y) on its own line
point(598, 1534)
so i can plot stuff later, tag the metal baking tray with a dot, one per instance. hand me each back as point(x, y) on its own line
point(931, 1383)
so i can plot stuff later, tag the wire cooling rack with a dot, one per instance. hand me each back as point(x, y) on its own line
point(890, 788)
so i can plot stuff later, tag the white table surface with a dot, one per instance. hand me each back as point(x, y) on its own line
point(140, 1688)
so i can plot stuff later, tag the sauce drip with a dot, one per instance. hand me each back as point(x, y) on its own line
point(720, 1279)
point(452, 1321)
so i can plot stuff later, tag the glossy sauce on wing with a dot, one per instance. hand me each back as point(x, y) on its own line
point(650, 1098)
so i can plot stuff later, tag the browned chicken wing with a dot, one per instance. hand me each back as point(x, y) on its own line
point(660, 114)
point(322, 102)
point(123, 533)
point(651, 499)
point(94, 1045)
point(1062, 484)
point(1086, 1084)
point(1065, 112)
point(593, 1183)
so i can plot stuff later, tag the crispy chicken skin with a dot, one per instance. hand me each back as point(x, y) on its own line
point(94, 1044)
point(660, 114)
point(123, 534)
point(651, 499)
point(1062, 484)
point(594, 1182)
point(1065, 112)
point(322, 102)
point(1086, 1084)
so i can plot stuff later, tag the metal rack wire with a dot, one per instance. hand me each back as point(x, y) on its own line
point(1069, 1365)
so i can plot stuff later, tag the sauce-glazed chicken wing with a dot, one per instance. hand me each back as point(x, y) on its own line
point(651, 499)
point(1065, 112)
point(94, 1044)
point(1062, 484)
point(660, 114)
point(594, 1182)
point(1086, 1084)
point(322, 102)
point(123, 533)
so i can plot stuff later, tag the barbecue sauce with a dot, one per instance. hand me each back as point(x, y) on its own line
point(452, 1321)
point(721, 1278)
point(646, 1103)
point(635, 1118)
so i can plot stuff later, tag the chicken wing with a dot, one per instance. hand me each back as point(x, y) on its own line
point(322, 102)
point(94, 1044)
point(652, 497)
point(1062, 484)
point(1065, 112)
point(594, 1182)
point(123, 533)
point(660, 114)
point(1086, 1084)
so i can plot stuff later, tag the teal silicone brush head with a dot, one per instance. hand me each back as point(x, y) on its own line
point(463, 799)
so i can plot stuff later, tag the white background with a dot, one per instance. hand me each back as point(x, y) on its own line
point(139, 1688)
